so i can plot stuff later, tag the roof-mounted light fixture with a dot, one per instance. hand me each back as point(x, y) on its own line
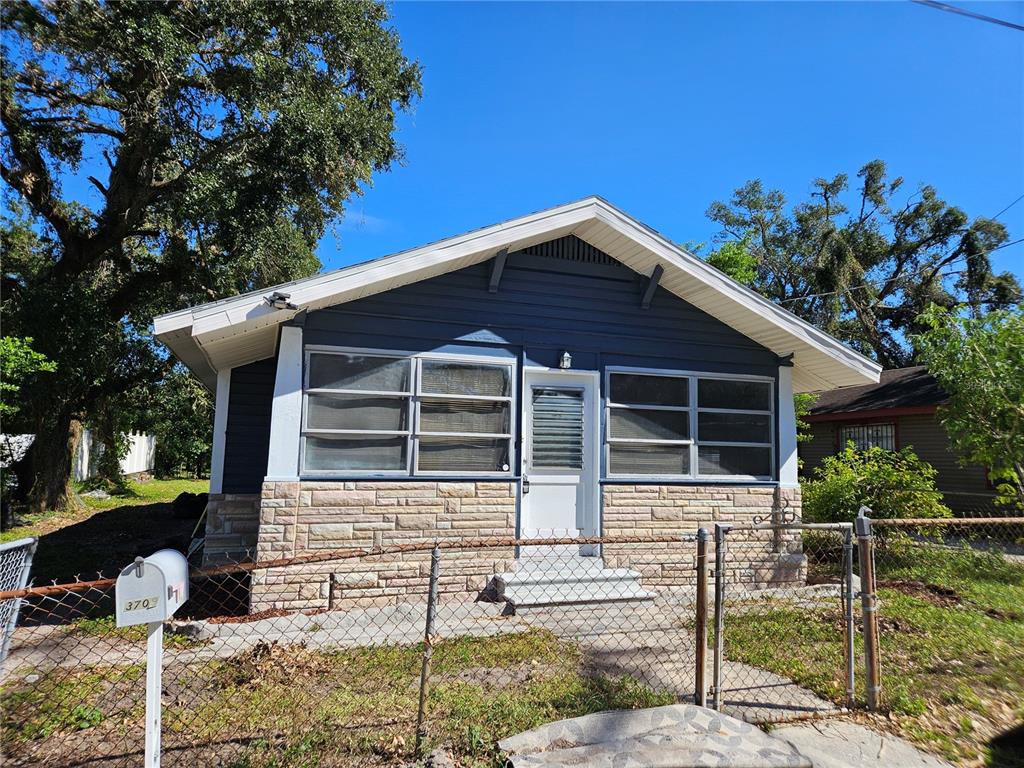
point(279, 300)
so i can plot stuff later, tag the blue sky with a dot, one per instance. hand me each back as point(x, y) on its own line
point(662, 108)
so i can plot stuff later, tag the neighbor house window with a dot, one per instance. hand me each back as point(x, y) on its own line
point(370, 413)
point(688, 425)
point(865, 436)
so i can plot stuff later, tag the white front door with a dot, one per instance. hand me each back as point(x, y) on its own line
point(560, 456)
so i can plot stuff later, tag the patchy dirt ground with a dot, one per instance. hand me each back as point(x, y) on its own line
point(108, 533)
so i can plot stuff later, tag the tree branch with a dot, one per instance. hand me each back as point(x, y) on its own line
point(30, 177)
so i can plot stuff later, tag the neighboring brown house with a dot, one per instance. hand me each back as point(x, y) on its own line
point(896, 413)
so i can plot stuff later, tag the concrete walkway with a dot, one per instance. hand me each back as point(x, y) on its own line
point(687, 736)
point(655, 644)
point(841, 744)
point(676, 736)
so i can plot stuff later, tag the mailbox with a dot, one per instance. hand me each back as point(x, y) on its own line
point(152, 588)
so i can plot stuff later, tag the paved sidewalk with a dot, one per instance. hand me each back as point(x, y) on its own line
point(676, 736)
point(687, 736)
point(842, 744)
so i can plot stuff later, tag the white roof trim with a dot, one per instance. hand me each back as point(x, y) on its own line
point(207, 337)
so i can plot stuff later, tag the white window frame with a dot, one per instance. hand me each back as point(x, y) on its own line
point(694, 441)
point(414, 397)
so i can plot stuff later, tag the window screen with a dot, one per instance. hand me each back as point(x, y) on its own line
point(735, 430)
point(678, 425)
point(379, 413)
point(648, 424)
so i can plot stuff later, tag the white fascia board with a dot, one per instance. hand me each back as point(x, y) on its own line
point(226, 318)
point(172, 321)
point(730, 289)
point(192, 355)
point(409, 266)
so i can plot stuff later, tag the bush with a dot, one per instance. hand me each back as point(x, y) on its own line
point(894, 484)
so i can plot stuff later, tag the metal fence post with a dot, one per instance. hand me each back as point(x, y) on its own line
point(848, 610)
point(716, 685)
point(700, 688)
point(869, 608)
point(428, 645)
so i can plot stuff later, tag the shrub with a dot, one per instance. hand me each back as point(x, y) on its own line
point(894, 484)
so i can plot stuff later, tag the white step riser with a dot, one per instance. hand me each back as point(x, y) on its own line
point(520, 594)
point(567, 577)
point(582, 595)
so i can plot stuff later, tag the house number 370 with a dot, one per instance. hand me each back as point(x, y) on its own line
point(142, 604)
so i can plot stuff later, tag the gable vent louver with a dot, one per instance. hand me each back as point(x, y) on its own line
point(570, 248)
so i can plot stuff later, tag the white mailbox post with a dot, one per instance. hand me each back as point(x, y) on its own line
point(149, 591)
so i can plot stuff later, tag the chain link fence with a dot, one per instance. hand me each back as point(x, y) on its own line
point(472, 641)
point(951, 634)
point(15, 565)
point(784, 620)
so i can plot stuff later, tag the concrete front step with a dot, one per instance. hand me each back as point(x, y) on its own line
point(571, 581)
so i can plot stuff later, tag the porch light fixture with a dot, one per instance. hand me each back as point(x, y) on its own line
point(565, 360)
point(279, 300)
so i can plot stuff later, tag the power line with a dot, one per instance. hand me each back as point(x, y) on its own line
point(971, 14)
point(891, 279)
point(1008, 207)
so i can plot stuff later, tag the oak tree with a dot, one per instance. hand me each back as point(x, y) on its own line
point(863, 263)
point(157, 154)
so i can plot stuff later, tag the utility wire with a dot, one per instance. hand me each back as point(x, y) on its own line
point(1008, 207)
point(964, 12)
point(891, 279)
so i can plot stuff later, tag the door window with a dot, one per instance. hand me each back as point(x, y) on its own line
point(557, 428)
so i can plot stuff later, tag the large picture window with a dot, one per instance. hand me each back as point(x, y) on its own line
point(376, 413)
point(662, 424)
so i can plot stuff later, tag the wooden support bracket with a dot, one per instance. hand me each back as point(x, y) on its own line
point(652, 284)
point(496, 269)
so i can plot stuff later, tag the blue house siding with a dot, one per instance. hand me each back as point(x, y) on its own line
point(247, 440)
point(544, 305)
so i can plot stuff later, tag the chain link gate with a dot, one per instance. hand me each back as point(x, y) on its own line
point(792, 612)
point(15, 564)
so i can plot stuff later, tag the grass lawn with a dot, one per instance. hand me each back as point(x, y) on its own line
point(107, 533)
point(952, 648)
point(290, 706)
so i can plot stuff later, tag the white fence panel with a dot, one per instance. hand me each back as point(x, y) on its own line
point(140, 457)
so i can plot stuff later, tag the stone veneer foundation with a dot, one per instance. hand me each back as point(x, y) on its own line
point(300, 518)
point(309, 517)
point(232, 527)
point(757, 559)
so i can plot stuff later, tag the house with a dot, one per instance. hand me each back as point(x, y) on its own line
point(568, 371)
point(897, 412)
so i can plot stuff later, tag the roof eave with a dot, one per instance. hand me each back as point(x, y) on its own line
point(215, 324)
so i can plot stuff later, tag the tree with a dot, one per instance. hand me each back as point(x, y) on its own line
point(864, 270)
point(179, 414)
point(979, 361)
point(163, 153)
point(18, 364)
point(734, 258)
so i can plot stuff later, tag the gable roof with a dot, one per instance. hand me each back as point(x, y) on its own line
point(898, 388)
point(242, 329)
